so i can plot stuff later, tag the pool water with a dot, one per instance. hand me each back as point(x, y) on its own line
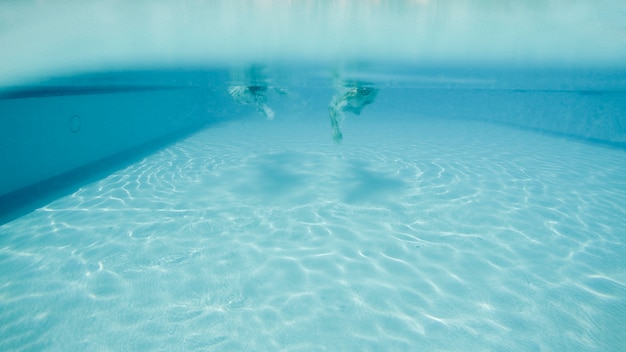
point(355, 175)
point(414, 233)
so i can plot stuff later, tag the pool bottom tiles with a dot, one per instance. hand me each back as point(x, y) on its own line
point(258, 235)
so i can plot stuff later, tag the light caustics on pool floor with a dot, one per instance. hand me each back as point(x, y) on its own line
point(258, 235)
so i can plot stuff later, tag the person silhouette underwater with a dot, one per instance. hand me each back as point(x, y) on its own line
point(252, 95)
point(351, 99)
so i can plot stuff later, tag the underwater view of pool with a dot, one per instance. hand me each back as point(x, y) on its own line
point(238, 175)
point(266, 235)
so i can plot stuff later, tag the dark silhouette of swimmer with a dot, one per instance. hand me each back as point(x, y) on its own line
point(351, 99)
point(251, 87)
point(252, 95)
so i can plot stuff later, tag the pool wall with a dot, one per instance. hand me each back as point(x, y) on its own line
point(591, 116)
point(53, 137)
point(597, 117)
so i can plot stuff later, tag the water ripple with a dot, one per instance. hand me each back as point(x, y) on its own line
point(433, 235)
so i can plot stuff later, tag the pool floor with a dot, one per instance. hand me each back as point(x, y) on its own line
point(412, 234)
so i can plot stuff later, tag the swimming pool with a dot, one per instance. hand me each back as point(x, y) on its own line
point(374, 205)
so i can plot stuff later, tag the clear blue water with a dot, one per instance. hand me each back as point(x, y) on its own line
point(476, 203)
point(413, 233)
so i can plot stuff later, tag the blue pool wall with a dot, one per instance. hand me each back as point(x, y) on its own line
point(46, 137)
point(597, 117)
point(57, 135)
point(582, 103)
